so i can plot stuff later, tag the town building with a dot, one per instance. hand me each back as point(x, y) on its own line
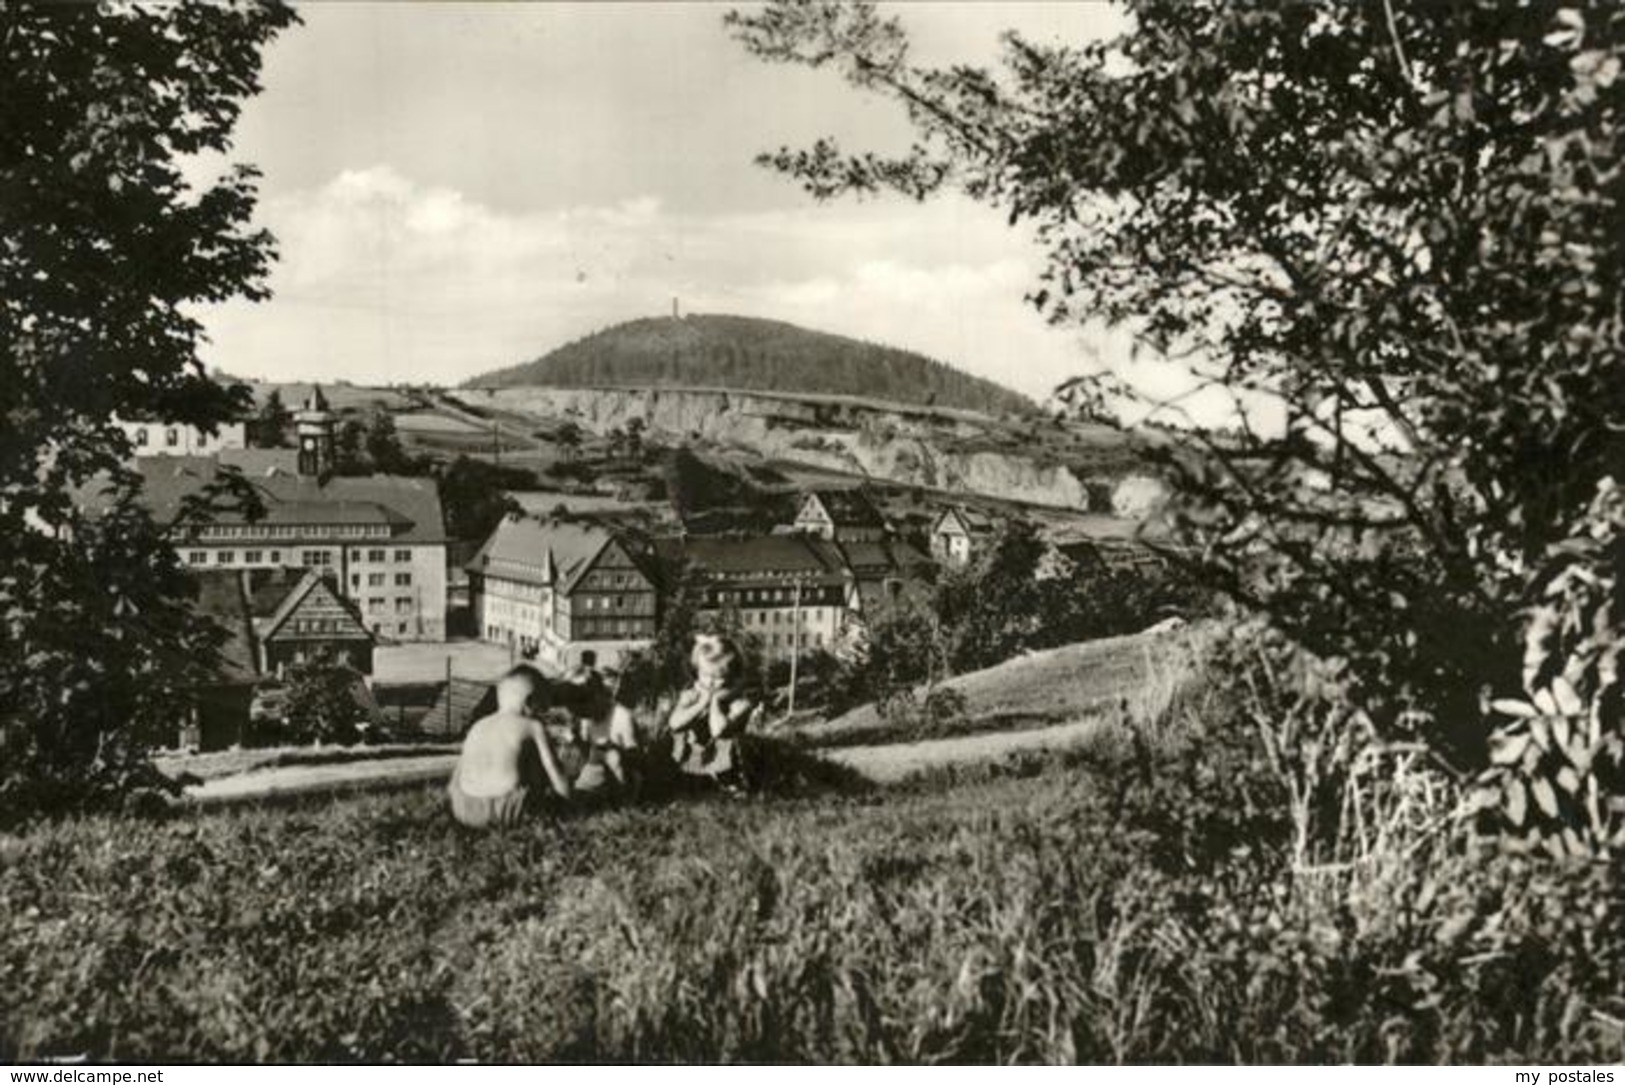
point(381, 538)
point(791, 592)
point(554, 588)
point(841, 515)
point(155, 438)
point(960, 535)
point(272, 619)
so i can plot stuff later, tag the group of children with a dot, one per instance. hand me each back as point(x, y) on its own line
point(511, 764)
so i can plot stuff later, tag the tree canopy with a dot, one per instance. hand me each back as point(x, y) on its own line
point(105, 251)
point(1399, 223)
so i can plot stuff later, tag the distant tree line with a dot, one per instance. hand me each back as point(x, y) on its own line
point(748, 353)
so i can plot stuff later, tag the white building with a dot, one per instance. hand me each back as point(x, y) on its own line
point(178, 439)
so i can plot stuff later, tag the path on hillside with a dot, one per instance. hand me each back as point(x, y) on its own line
point(881, 764)
point(896, 762)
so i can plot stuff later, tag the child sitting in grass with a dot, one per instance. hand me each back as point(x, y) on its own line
point(497, 781)
point(712, 714)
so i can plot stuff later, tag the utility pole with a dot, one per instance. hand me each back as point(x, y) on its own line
point(496, 442)
point(795, 647)
point(448, 695)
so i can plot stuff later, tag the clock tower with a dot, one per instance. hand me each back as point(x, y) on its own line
point(313, 423)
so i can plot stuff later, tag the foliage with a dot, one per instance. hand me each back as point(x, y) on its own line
point(105, 250)
point(271, 423)
point(474, 494)
point(322, 704)
point(1557, 772)
point(383, 445)
point(568, 437)
point(715, 351)
point(1388, 230)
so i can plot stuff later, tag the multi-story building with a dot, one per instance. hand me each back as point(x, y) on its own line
point(152, 438)
point(554, 588)
point(381, 539)
point(793, 593)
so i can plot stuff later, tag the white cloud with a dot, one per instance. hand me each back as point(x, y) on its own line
point(384, 279)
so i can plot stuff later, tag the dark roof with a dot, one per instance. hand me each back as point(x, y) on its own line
point(889, 558)
point(974, 521)
point(469, 700)
point(410, 507)
point(222, 599)
point(850, 507)
point(768, 556)
point(548, 551)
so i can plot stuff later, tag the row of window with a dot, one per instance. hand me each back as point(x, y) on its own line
point(809, 616)
point(788, 640)
point(380, 555)
point(298, 531)
point(172, 438)
point(774, 595)
point(316, 625)
point(401, 628)
point(376, 580)
point(379, 605)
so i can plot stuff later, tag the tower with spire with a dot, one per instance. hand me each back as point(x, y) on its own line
point(313, 423)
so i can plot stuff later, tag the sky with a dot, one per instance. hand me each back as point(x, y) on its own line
point(460, 187)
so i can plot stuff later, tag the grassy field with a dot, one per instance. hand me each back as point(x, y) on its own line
point(1057, 686)
point(1056, 910)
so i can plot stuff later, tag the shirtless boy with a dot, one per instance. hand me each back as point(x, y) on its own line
point(496, 777)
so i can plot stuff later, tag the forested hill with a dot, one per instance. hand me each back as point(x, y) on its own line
point(710, 351)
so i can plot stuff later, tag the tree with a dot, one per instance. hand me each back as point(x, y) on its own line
point(383, 444)
point(635, 428)
point(349, 444)
point(474, 494)
point(1394, 227)
point(322, 702)
point(270, 426)
point(105, 249)
point(568, 438)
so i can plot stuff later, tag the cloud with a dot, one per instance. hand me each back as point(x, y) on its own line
point(384, 279)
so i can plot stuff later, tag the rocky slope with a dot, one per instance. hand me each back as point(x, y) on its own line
point(947, 450)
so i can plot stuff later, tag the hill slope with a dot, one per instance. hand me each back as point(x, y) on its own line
point(747, 353)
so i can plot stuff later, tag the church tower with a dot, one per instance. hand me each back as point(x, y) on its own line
point(313, 423)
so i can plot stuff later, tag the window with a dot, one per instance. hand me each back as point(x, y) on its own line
point(355, 580)
point(375, 606)
point(198, 557)
point(172, 437)
point(375, 555)
point(276, 557)
point(404, 606)
point(251, 557)
point(403, 580)
point(141, 437)
point(375, 580)
point(402, 627)
point(355, 555)
point(316, 558)
point(403, 555)
point(224, 557)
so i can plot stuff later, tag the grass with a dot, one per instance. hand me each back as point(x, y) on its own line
point(1059, 685)
point(220, 763)
point(1089, 908)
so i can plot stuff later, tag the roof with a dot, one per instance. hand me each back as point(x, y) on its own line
point(974, 521)
point(409, 507)
point(552, 552)
point(849, 507)
point(888, 557)
point(469, 700)
point(222, 599)
point(767, 556)
point(275, 597)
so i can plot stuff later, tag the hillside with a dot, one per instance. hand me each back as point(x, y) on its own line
point(746, 353)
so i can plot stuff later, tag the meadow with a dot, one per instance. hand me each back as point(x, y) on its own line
point(1127, 902)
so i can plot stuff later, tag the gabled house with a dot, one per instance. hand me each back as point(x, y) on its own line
point(841, 515)
point(553, 588)
point(959, 535)
point(273, 618)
